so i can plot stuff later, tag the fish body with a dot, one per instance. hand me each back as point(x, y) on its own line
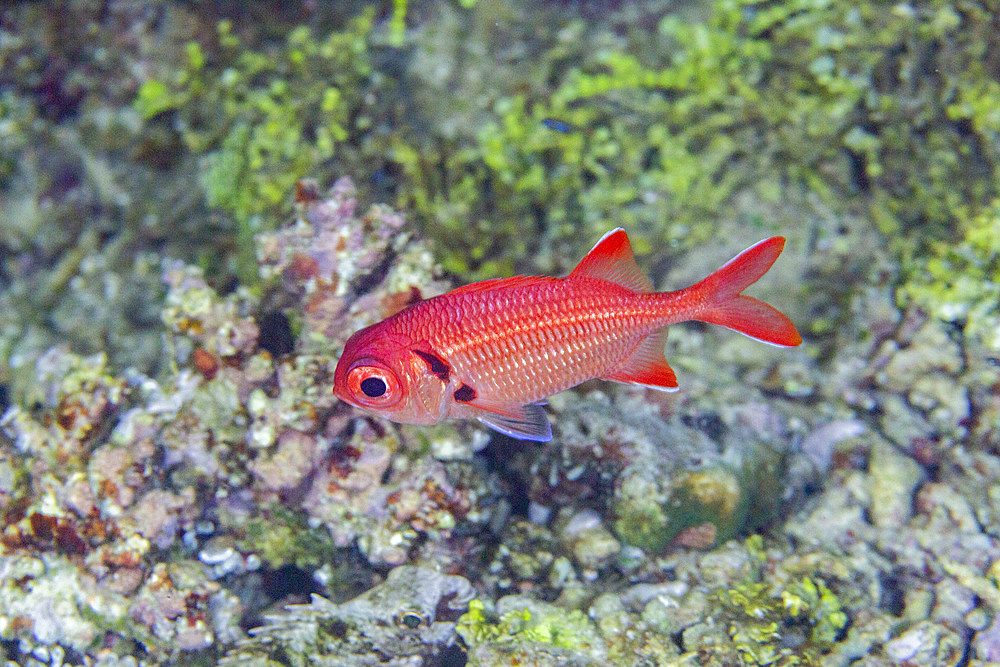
point(493, 350)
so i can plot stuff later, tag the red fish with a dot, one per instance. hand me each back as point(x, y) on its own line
point(494, 350)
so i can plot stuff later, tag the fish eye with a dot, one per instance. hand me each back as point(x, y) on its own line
point(373, 385)
point(410, 619)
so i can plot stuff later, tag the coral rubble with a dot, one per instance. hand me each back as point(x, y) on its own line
point(178, 483)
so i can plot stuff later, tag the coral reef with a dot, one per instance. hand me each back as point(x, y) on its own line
point(717, 605)
point(152, 513)
point(262, 120)
point(409, 616)
point(178, 483)
point(111, 474)
point(961, 280)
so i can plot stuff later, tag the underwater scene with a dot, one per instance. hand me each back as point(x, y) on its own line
point(290, 373)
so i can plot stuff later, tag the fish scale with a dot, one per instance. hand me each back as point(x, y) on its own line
point(560, 323)
point(492, 350)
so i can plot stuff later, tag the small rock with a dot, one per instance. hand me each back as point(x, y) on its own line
point(902, 424)
point(701, 536)
point(292, 461)
point(952, 602)
point(894, 478)
point(926, 643)
point(944, 502)
point(986, 643)
point(944, 402)
point(819, 445)
point(592, 544)
point(931, 350)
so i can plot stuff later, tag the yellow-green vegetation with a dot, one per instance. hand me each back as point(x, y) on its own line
point(888, 102)
point(285, 538)
point(961, 281)
point(397, 23)
point(760, 616)
point(265, 119)
point(535, 624)
point(886, 106)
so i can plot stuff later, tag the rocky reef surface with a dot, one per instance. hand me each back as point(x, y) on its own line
point(179, 485)
point(190, 518)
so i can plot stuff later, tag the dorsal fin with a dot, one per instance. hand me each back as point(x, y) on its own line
point(611, 259)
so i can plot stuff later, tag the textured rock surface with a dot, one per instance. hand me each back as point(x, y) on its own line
point(178, 484)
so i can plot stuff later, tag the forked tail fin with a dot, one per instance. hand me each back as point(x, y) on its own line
point(718, 300)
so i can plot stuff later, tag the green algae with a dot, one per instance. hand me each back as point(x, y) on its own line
point(283, 537)
point(700, 508)
point(818, 98)
point(763, 609)
point(753, 98)
point(759, 614)
point(529, 630)
point(961, 280)
point(262, 120)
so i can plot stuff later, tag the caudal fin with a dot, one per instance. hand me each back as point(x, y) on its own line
point(718, 300)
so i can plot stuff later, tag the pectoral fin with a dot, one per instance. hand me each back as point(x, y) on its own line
point(524, 422)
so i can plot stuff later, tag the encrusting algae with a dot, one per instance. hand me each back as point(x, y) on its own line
point(186, 508)
point(163, 514)
point(133, 486)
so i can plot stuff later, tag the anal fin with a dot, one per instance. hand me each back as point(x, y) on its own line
point(647, 366)
point(524, 422)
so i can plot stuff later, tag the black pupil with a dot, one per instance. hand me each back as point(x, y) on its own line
point(373, 387)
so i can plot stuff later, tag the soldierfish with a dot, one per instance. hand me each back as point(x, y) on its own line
point(494, 350)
